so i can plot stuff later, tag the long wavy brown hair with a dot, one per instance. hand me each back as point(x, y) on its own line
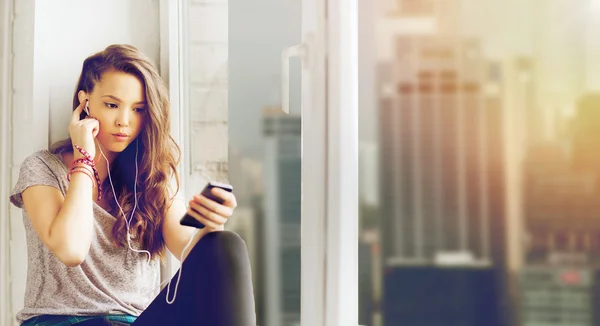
point(158, 158)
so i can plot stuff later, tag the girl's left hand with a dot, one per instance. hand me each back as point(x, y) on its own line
point(210, 213)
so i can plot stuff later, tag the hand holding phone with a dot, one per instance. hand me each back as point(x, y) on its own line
point(189, 220)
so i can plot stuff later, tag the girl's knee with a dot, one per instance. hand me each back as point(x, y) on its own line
point(223, 244)
point(227, 239)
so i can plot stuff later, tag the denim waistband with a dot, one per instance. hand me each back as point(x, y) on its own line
point(60, 320)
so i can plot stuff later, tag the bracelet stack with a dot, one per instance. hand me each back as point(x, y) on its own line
point(86, 166)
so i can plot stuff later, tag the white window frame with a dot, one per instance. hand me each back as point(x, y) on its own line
point(342, 169)
point(173, 47)
point(329, 258)
point(6, 19)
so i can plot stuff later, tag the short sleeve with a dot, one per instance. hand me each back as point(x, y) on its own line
point(34, 172)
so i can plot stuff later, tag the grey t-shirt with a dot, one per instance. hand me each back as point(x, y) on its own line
point(111, 280)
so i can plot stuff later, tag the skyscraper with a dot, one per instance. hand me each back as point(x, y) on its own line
point(281, 235)
point(368, 174)
point(562, 251)
point(441, 175)
point(435, 153)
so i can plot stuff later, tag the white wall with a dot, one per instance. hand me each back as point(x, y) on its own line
point(21, 115)
point(67, 31)
point(206, 79)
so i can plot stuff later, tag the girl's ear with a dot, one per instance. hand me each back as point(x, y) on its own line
point(82, 96)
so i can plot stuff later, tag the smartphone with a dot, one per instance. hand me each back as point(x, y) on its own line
point(188, 220)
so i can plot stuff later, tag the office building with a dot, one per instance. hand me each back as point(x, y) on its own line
point(281, 224)
point(559, 282)
point(441, 181)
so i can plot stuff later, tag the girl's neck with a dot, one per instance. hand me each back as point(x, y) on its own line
point(101, 164)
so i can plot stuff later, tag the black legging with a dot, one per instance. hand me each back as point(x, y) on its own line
point(215, 287)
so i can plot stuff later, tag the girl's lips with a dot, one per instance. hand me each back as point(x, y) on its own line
point(121, 137)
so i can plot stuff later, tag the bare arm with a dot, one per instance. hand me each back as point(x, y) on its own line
point(63, 224)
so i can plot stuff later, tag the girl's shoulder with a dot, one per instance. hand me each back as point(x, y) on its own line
point(40, 168)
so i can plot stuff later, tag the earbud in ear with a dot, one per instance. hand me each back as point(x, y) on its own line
point(87, 108)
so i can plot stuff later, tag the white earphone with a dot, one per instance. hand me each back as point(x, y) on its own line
point(128, 221)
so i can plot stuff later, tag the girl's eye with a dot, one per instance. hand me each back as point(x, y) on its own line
point(111, 105)
point(140, 110)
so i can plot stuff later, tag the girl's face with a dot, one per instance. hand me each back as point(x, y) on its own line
point(118, 102)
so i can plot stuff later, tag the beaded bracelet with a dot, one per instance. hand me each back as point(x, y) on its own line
point(85, 154)
point(82, 170)
point(88, 169)
point(88, 161)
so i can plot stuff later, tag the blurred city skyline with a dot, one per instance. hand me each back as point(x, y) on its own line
point(466, 221)
point(560, 29)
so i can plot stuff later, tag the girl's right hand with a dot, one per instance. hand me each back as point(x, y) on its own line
point(83, 132)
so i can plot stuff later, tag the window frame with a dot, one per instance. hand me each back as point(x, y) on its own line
point(342, 183)
point(329, 277)
point(173, 46)
point(6, 19)
point(329, 257)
